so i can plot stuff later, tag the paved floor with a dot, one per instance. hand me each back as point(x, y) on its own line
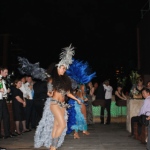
point(102, 137)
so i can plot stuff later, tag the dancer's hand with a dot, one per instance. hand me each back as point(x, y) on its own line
point(50, 93)
point(79, 102)
point(86, 99)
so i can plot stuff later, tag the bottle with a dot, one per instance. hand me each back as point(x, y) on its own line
point(1, 84)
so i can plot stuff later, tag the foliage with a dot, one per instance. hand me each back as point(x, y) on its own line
point(134, 76)
point(122, 81)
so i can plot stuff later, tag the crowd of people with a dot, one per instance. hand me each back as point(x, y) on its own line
point(60, 101)
point(40, 101)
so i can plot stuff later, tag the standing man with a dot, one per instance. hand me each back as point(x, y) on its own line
point(4, 114)
point(108, 98)
point(100, 99)
point(29, 110)
point(40, 96)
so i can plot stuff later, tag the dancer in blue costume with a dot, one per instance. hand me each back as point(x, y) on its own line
point(76, 120)
point(79, 72)
point(52, 127)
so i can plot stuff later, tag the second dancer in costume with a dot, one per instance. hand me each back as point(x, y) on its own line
point(79, 71)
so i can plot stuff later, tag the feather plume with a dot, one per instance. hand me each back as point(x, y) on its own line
point(80, 72)
point(31, 69)
point(66, 56)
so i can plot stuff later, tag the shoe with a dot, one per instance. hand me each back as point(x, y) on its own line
point(25, 131)
point(18, 133)
point(107, 123)
point(6, 137)
point(76, 136)
point(28, 130)
point(101, 122)
point(13, 134)
point(1, 148)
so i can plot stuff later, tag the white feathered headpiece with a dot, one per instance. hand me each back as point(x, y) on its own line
point(66, 56)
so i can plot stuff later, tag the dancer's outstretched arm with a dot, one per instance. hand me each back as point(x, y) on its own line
point(73, 97)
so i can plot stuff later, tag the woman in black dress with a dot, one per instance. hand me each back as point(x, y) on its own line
point(120, 96)
point(18, 104)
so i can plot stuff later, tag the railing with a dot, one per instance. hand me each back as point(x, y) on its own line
point(115, 111)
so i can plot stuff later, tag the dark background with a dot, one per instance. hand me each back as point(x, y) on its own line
point(103, 32)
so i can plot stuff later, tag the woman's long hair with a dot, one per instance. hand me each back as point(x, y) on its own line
point(60, 82)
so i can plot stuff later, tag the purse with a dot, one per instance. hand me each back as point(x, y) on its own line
point(142, 119)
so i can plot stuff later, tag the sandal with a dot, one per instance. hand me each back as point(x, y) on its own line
point(86, 133)
point(76, 136)
point(26, 131)
point(18, 133)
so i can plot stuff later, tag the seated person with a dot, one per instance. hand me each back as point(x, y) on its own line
point(145, 109)
point(120, 97)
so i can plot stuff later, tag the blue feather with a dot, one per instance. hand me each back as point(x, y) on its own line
point(80, 72)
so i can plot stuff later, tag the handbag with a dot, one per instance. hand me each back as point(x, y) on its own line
point(142, 119)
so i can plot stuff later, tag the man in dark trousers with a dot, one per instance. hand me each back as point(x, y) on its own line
point(40, 95)
point(4, 113)
point(100, 98)
point(108, 98)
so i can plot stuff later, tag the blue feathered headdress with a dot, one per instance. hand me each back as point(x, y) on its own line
point(80, 72)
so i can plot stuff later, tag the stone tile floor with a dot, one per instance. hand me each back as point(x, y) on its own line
point(102, 137)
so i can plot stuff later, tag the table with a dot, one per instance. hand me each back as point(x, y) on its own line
point(133, 108)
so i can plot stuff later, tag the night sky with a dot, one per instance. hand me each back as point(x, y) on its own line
point(103, 32)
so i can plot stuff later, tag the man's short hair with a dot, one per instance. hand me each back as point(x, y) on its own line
point(106, 81)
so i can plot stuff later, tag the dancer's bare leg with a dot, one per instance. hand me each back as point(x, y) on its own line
point(59, 123)
point(83, 110)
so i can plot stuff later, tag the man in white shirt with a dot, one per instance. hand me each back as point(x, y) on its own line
point(23, 88)
point(108, 97)
point(29, 101)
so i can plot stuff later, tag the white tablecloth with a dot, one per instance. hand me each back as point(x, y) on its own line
point(133, 108)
